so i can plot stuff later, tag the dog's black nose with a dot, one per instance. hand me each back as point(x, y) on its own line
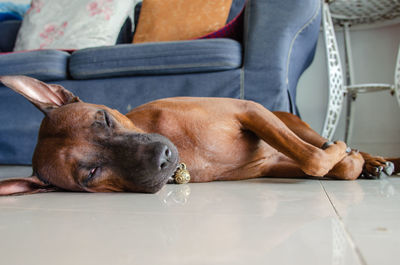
point(164, 157)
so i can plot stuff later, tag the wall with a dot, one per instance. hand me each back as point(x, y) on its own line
point(377, 115)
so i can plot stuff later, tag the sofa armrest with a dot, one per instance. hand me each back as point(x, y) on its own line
point(280, 37)
point(8, 34)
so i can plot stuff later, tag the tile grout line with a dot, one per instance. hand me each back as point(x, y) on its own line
point(347, 232)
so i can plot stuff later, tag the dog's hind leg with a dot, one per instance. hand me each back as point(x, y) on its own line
point(396, 164)
point(349, 168)
point(376, 166)
point(373, 167)
point(312, 160)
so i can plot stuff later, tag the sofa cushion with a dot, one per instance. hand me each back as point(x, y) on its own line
point(191, 19)
point(234, 28)
point(43, 64)
point(156, 58)
point(72, 24)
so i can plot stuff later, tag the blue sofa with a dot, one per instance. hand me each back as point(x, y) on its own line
point(278, 44)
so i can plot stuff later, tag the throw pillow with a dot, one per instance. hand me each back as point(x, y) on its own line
point(234, 27)
point(188, 19)
point(72, 24)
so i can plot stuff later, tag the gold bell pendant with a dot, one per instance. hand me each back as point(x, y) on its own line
point(182, 175)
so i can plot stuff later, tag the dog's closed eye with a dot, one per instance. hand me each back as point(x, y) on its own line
point(93, 173)
point(107, 119)
point(103, 119)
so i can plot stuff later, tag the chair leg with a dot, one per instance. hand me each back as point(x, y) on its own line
point(351, 95)
point(335, 72)
point(397, 78)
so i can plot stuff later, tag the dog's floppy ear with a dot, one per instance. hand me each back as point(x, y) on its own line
point(45, 97)
point(22, 186)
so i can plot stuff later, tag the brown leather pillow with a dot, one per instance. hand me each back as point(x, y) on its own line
point(172, 20)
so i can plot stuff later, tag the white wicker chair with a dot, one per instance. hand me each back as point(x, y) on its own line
point(344, 13)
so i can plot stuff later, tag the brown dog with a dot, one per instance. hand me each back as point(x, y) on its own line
point(87, 147)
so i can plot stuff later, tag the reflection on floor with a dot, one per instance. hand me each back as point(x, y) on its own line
point(261, 221)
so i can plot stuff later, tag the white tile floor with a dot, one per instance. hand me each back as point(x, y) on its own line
point(261, 221)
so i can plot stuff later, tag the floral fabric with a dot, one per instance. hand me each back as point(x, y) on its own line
point(72, 24)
